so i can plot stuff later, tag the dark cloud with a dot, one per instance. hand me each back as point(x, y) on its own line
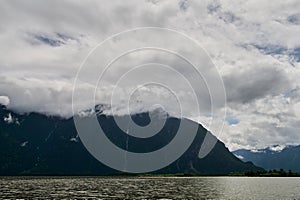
point(294, 19)
point(248, 85)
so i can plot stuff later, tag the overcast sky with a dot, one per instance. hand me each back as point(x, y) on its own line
point(255, 46)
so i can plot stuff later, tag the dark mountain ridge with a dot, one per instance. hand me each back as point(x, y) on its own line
point(275, 157)
point(36, 144)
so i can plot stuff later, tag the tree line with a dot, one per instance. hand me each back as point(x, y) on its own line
point(270, 173)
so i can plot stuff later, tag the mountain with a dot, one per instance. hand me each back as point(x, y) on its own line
point(36, 144)
point(274, 157)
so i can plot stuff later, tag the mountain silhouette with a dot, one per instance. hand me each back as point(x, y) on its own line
point(274, 157)
point(37, 144)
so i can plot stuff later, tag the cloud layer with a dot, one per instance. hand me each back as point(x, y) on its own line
point(254, 44)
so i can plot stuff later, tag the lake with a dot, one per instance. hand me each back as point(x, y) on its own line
point(150, 188)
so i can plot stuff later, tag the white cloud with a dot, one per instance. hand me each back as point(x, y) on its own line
point(4, 100)
point(239, 156)
point(252, 43)
point(277, 148)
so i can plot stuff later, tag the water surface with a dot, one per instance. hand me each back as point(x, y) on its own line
point(150, 188)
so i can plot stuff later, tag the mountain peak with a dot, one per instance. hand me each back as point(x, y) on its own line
point(277, 147)
point(273, 157)
point(49, 145)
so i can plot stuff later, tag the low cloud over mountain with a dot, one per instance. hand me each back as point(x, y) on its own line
point(254, 45)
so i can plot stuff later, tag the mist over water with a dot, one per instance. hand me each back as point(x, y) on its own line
point(149, 188)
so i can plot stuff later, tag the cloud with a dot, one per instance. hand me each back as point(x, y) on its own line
point(254, 45)
point(4, 100)
point(247, 85)
point(239, 156)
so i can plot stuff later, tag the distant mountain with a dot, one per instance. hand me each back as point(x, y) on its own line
point(274, 157)
point(33, 143)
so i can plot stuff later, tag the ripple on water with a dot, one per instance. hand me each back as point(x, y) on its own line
point(150, 188)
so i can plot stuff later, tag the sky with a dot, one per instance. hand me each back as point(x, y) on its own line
point(255, 46)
